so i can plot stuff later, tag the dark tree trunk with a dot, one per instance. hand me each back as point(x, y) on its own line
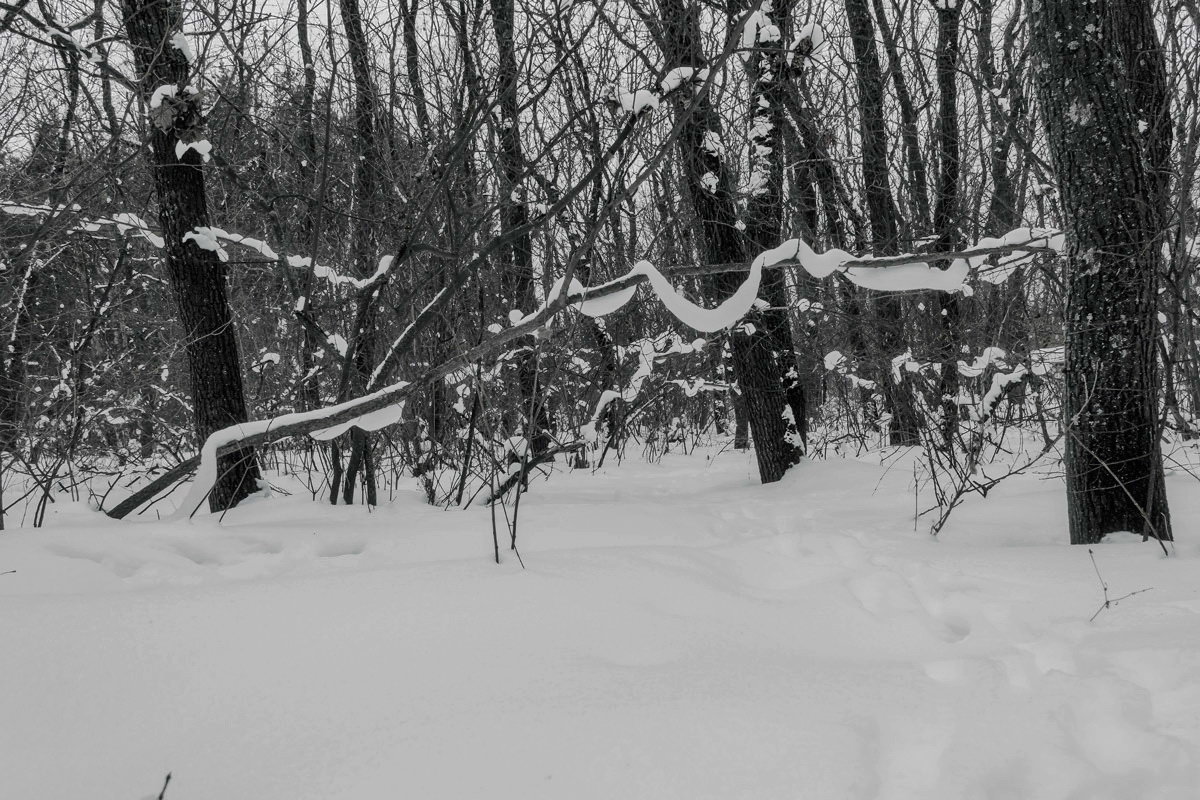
point(913, 160)
point(881, 209)
point(14, 345)
point(197, 275)
point(1008, 301)
point(756, 350)
point(1101, 79)
point(516, 259)
point(364, 247)
point(946, 213)
point(308, 394)
point(771, 72)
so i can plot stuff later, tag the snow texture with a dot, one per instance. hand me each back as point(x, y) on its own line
point(676, 78)
point(678, 632)
point(207, 238)
point(162, 93)
point(179, 42)
point(638, 101)
point(202, 146)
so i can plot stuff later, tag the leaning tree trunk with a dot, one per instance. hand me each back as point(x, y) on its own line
point(196, 274)
point(1102, 83)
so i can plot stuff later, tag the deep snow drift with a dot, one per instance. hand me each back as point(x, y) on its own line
point(679, 632)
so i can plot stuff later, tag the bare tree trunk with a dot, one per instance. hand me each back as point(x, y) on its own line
point(913, 160)
point(309, 396)
point(755, 348)
point(946, 211)
point(881, 208)
point(1009, 299)
point(364, 248)
point(1102, 85)
point(771, 72)
point(196, 274)
point(516, 259)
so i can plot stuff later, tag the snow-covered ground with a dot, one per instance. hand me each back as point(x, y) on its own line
point(678, 632)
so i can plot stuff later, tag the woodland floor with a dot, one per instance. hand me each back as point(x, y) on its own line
point(677, 632)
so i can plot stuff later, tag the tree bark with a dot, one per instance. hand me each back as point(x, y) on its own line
point(881, 209)
point(913, 160)
point(756, 347)
point(516, 258)
point(364, 248)
point(946, 211)
point(1101, 79)
point(771, 72)
point(197, 275)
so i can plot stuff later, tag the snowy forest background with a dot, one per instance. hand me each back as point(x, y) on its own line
point(489, 253)
point(344, 200)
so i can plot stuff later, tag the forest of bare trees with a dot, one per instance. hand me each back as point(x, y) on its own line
point(471, 242)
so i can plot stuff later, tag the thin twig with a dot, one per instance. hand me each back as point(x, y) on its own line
point(1104, 587)
point(162, 794)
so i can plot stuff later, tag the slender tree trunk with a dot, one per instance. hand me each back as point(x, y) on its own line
point(516, 260)
point(1101, 79)
point(14, 345)
point(364, 250)
point(755, 348)
point(946, 211)
point(197, 275)
point(1009, 300)
point(309, 396)
point(881, 209)
point(771, 72)
point(913, 160)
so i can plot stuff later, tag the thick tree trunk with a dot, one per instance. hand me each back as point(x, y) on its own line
point(1102, 83)
point(197, 275)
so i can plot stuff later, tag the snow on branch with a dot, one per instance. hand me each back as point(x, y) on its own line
point(321, 424)
point(206, 237)
point(648, 352)
point(385, 405)
point(123, 222)
point(210, 235)
point(639, 100)
point(891, 273)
